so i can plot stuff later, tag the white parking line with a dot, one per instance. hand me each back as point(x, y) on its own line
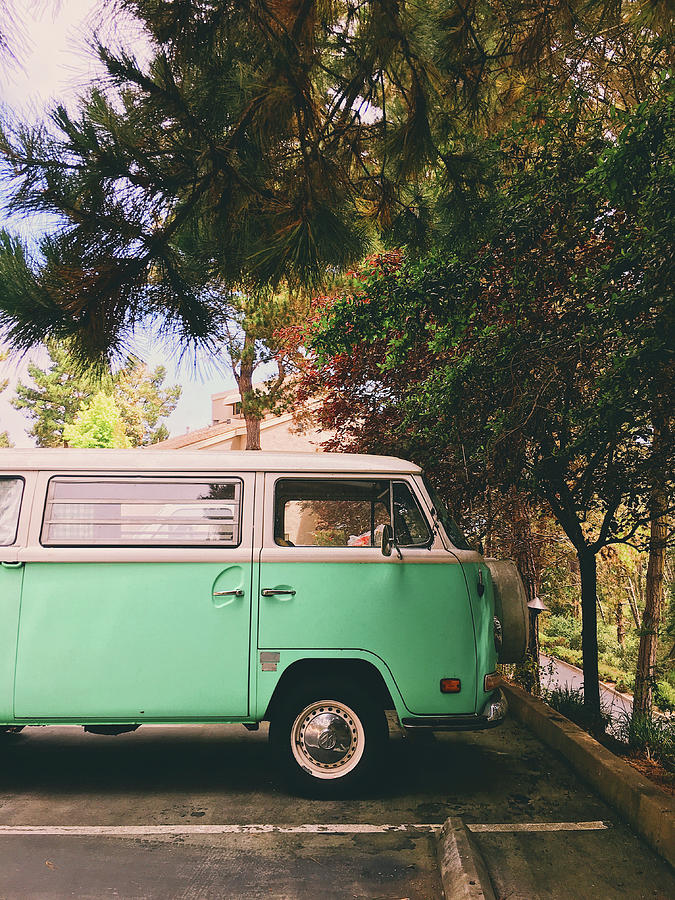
point(339, 828)
point(138, 830)
point(539, 826)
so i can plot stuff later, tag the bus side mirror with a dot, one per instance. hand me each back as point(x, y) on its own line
point(387, 544)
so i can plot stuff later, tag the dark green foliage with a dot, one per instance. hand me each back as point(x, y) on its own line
point(653, 735)
point(570, 703)
point(546, 336)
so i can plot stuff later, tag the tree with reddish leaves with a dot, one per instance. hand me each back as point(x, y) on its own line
point(528, 353)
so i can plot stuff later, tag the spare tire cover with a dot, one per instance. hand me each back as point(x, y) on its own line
point(510, 608)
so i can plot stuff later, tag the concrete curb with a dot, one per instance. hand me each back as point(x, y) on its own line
point(463, 873)
point(642, 804)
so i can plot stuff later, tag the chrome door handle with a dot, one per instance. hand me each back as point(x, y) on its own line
point(270, 592)
point(12, 565)
point(235, 593)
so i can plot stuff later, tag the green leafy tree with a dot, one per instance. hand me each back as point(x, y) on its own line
point(636, 176)
point(143, 401)
point(56, 393)
point(542, 341)
point(97, 424)
point(251, 342)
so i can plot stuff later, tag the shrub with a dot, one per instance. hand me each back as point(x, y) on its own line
point(626, 684)
point(569, 656)
point(570, 702)
point(613, 660)
point(563, 627)
point(664, 695)
point(652, 735)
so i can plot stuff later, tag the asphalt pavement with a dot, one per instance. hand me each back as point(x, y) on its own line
point(195, 812)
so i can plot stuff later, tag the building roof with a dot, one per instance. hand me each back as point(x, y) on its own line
point(221, 430)
point(210, 436)
point(150, 460)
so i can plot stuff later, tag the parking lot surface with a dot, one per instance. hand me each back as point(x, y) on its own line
point(195, 812)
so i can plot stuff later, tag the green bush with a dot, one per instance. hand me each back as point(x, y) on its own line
point(629, 652)
point(569, 656)
point(664, 695)
point(563, 627)
point(654, 735)
point(626, 684)
point(613, 660)
point(570, 702)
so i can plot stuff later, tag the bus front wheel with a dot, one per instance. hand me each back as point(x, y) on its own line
point(328, 738)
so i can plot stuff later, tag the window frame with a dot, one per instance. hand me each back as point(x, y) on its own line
point(20, 478)
point(391, 480)
point(165, 478)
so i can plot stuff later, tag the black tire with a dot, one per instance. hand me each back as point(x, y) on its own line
point(11, 729)
point(343, 715)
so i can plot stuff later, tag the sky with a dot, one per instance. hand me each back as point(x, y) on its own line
point(54, 64)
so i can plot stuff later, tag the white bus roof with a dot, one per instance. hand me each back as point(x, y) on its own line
point(149, 460)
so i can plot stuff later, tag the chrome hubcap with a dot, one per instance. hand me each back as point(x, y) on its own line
point(327, 739)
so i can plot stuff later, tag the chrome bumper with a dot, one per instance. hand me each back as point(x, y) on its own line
point(493, 714)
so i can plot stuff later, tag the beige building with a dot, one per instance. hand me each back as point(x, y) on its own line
point(227, 430)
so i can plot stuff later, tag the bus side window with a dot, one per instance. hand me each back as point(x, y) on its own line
point(11, 490)
point(145, 511)
point(321, 512)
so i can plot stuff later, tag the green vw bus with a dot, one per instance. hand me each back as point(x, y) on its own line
point(313, 591)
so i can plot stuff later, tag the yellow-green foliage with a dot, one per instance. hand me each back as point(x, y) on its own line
point(97, 424)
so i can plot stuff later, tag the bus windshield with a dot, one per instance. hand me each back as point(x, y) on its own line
point(452, 529)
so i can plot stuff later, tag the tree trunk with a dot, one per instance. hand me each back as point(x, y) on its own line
point(245, 385)
point(658, 512)
point(252, 433)
point(632, 601)
point(524, 556)
point(620, 627)
point(488, 524)
point(649, 633)
point(589, 632)
point(601, 610)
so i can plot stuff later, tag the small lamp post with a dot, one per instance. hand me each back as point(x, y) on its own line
point(535, 607)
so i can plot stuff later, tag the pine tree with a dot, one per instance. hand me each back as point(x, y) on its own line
point(57, 392)
point(268, 144)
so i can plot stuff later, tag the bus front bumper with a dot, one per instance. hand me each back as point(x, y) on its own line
point(493, 714)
